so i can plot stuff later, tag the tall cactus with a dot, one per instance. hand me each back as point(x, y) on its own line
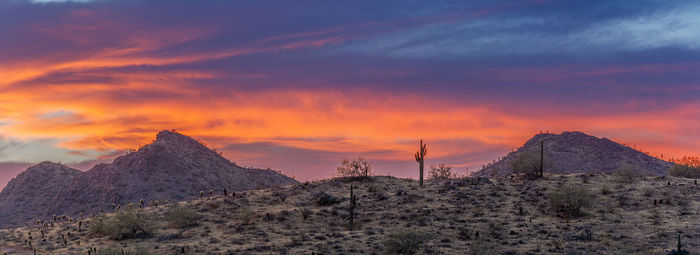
point(420, 158)
point(679, 250)
point(541, 158)
point(352, 207)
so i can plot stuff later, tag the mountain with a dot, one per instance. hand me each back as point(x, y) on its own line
point(576, 152)
point(173, 167)
point(32, 191)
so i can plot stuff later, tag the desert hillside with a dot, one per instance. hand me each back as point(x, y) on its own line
point(475, 215)
point(173, 167)
point(577, 152)
point(32, 191)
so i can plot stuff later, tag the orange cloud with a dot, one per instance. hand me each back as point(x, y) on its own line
point(363, 121)
point(117, 84)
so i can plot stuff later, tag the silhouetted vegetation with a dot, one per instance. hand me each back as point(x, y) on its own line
point(420, 158)
point(526, 164)
point(358, 167)
point(441, 172)
point(687, 167)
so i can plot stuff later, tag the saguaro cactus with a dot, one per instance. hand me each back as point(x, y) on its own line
point(352, 207)
point(679, 250)
point(420, 158)
point(541, 158)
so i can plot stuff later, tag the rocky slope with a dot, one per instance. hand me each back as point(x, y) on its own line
point(173, 167)
point(576, 152)
point(459, 216)
point(32, 191)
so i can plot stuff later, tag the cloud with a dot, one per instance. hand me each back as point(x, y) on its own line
point(554, 32)
point(39, 149)
point(309, 84)
point(59, 1)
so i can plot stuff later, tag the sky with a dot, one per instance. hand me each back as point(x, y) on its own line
point(299, 85)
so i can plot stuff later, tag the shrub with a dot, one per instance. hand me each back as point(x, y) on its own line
point(481, 248)
point(626, 173)
point(246, 216)
point(526, 164)
point(324, 199)
point(280, 195)
point(655, 216)
point(125, 224)
point(441, 171)
point(182, 218)
point(121, 251)
point(404, 242)
point(568, 201)
point(356, 168)
point(305, 212)
point(687, 167)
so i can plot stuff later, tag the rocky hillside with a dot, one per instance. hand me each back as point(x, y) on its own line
point(173, 167)
point(32, 191)
point(459, 216)
point(576, 152)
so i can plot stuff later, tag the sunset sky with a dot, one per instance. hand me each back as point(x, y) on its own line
point(299, 85)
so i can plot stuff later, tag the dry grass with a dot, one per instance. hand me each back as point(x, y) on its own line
point(458, 216)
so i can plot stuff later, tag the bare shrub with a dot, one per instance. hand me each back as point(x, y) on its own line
point(441, 172)
point(181, 217)
point(687, 167)
point(627, 173)
point(404, 242)
point(568, 201)
point(355, 168)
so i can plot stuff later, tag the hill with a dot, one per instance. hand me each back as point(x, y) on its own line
point(173, 167)
point(32, 191)
point(472, 215)
point(576, 152)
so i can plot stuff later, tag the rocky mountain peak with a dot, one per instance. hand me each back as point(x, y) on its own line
point(168, 136)
point(173, 167)
point(575, 152)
